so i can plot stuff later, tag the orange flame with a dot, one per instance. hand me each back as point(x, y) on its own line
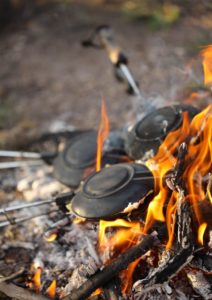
point(201, 231)
point(126, 235)
point(97, 292)
point(198, 136)
point(51, 238)
point(170, 219)
point(209, 188)
point(127, 274)
point(124, 238)
point(160, 164)
point(103, 131)
point(199, 157)
point(207, 64)
point(192, 97)
point(37, 279)
point(51, 291)
point(198, 160)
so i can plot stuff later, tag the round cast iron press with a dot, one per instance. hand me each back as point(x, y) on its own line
point(79, 156)
point(149, 133)
point(110, 191)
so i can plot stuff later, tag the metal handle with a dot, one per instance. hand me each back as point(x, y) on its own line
point(60, 200)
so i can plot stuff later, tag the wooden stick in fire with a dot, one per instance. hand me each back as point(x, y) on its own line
point(105, 275)
point(182, 253)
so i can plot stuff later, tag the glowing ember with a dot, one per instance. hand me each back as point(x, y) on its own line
point(102, 135)
point(97, 292)
point(51, 291)
point(78, 220)
point(51, 238)
point(207, 64)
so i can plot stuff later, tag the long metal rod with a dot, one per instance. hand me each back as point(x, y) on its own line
point(63, 196)
point(14, 221)
point(130, 79)
point(19, 154)
point(143, 102)
point(27, 205)
point(20, 164)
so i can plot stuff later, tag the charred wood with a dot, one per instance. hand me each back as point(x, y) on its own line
point(112, 290)
point(168, 269)
point(200, 284)
point(104, 276)
point(174, 178)
point(203, 261)
point(173, 260)
point(80, 275)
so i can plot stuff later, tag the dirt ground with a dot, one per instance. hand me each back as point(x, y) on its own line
point(46, 74)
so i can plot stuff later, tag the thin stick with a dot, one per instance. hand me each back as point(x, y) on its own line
point(15, 275)
point(16, 292)
point(105, 275)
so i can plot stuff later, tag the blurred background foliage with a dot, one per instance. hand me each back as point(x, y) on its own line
point(158, 13)
point(42, 60)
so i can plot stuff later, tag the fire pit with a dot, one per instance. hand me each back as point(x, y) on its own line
point(132, 230)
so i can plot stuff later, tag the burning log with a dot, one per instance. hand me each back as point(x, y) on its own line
point(105, 275)
point(173, 261)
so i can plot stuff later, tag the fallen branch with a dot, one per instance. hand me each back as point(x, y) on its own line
point(16, 292)
point(105, 275)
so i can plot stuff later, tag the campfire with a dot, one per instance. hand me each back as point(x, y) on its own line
point(130, 217)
